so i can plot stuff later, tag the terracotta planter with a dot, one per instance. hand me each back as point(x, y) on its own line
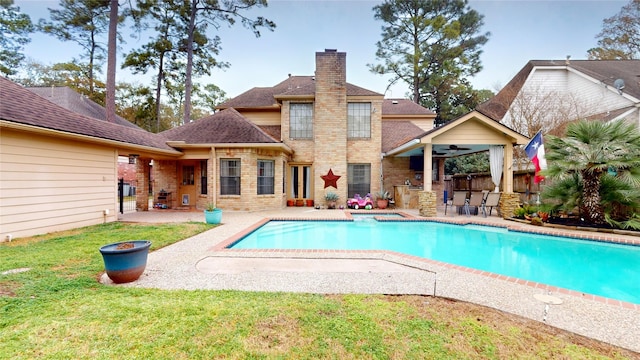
point(290, 202)
point(382, 204)
point(299, 202)
point(125, 261)
point(310, 203)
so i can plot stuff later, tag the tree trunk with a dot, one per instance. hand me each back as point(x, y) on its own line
point(110, 100)
point(188, 85)
point(158, 91)
point(591, 205)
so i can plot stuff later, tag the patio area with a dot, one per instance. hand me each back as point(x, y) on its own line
point(194, 263)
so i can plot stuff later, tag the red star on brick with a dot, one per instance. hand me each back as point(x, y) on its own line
point(330, 179)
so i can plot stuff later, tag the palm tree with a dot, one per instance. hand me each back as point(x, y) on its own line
point(594, 149)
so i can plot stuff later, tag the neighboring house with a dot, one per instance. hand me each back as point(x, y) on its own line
point(81, 104)
point(58, 169)
point(547, 93)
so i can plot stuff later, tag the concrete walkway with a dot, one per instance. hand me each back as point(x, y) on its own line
point(195, 264)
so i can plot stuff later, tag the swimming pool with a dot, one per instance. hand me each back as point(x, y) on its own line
point(598, 268)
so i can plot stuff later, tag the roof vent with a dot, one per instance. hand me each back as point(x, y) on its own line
point(619, 84)
point(330, 50)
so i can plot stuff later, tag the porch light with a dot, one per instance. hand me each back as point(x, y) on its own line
point(132, 158)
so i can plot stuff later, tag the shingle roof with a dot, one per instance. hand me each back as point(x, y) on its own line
point(292, 86)
point(403, 107)
point(22, 106)
point(226, 126)
point(605, 71)
point(396, 133)
point(71, 100)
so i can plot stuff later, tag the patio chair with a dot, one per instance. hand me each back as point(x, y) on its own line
point(492, 200)
point(475, 201)
point(459, 199)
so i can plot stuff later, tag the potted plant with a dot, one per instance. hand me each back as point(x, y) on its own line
point(212, 214)
point(331, 198)
point(382, 199)
point(125, 261)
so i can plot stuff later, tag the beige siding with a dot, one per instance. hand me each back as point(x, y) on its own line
point(48, 184)
point(470, 132)
point(263, 117)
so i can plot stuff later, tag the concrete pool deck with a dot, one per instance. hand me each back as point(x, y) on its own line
point(200, 262)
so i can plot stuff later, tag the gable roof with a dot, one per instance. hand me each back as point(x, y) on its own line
point(293, 86)
point(605, 72)
point(227, 126)
point(78, 103)
point(416, 142)
point(21, 106)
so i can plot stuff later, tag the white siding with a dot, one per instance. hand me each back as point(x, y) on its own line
point(47, 184)
point(550, 95)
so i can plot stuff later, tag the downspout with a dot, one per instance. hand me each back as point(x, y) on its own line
point(381, 172)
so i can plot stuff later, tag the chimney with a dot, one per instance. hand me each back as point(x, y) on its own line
point(331, 69)
point(330, 119)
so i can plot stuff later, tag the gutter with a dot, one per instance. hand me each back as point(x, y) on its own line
point(402, 147)
point(277, 146)
point(86, 138)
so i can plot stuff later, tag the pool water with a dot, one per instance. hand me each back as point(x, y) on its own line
point(604, 269)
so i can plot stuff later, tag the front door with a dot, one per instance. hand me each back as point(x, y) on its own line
point(187, 185)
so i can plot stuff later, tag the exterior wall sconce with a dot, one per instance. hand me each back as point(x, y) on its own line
point(133, 158)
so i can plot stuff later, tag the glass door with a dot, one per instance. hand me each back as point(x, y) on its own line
point(300, 180)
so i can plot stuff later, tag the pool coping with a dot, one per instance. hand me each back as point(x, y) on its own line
point(222, 247)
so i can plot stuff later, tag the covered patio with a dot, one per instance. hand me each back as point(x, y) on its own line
point(472, 133)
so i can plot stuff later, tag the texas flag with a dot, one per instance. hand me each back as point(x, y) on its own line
point(535, 152)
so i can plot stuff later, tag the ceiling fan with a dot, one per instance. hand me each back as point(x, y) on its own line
point(456, 148)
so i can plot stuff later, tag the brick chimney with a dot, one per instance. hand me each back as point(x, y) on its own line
point(330, 120)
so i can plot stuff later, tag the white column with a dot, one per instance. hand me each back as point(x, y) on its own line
point(428, 167)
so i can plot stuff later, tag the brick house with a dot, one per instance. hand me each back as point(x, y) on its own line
point(274, 144)
point(59, 168)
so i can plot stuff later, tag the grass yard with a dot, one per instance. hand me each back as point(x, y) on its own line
point(58, 310)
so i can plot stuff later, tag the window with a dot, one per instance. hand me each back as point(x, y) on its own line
point(203, 177)
point(265, 177)
point(230, 177)
point(359, 179)
point(187, 175)
point(359, 120)
point(301, 121)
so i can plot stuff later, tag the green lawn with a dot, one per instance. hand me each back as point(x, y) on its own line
point(58, 310)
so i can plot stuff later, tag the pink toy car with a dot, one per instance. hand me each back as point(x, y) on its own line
point(358, 202)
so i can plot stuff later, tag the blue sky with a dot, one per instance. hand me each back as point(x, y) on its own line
point(520, 31)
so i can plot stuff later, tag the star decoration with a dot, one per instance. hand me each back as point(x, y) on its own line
point(330, 179)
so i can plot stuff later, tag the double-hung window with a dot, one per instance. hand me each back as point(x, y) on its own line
point(265, 177)
point(230, 177)
point(359, 120)
point(301, 121)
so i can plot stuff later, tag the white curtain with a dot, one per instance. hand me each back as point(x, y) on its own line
point(496, 159)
